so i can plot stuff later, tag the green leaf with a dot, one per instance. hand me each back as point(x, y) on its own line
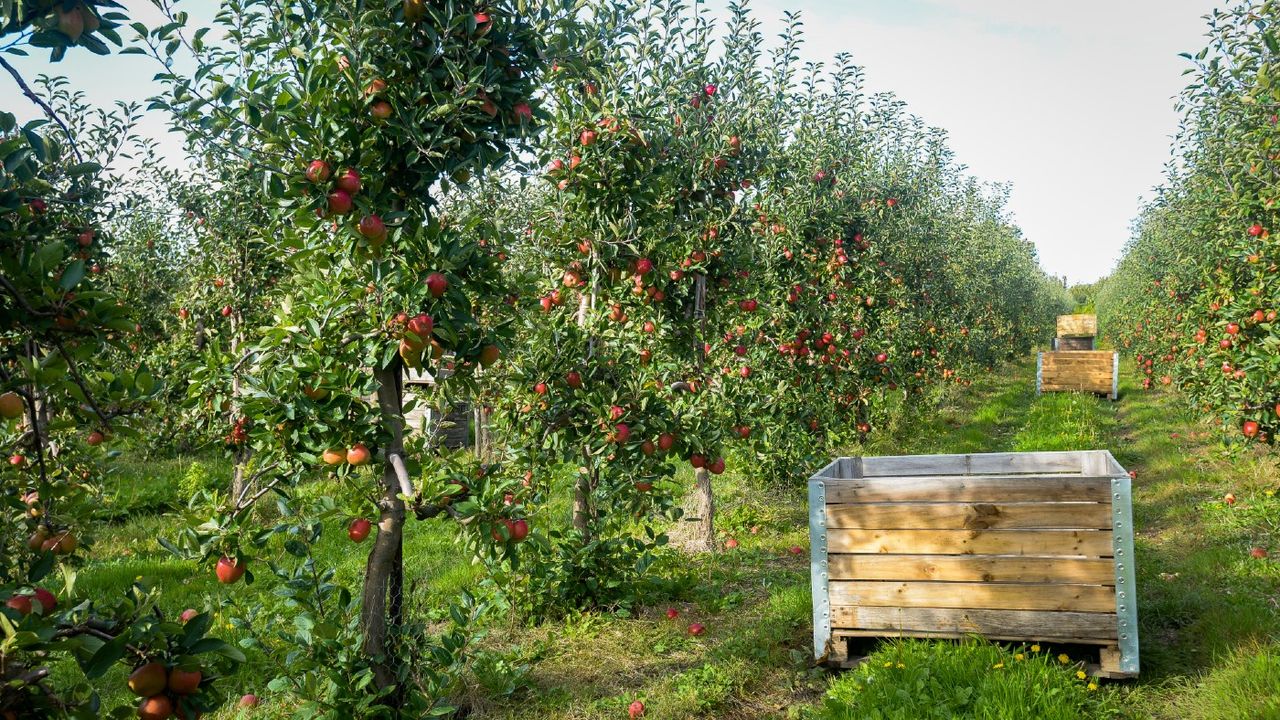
point(106, 656)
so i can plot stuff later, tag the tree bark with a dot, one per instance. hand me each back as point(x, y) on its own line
point(383, 596)
point(706, 538)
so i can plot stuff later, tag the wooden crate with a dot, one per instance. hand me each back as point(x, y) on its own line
point(1077, 326)
point(1032, 547)
point(1094, 371)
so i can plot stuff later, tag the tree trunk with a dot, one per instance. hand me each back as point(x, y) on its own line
point(706, 538)
point(245, 452)
point(383, 597)
point(582, 486)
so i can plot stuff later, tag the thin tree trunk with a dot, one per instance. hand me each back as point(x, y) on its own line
point(706, 501)
point(582, 486)
point(383, 597)
point(244, 453)
point(706, 538)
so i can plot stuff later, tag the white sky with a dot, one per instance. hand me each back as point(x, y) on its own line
point(1070, 102)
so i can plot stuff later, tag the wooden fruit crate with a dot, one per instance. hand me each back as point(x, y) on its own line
point(1072, 343)
point(1077, 326)
point(1095, 371)
point(1032, 547)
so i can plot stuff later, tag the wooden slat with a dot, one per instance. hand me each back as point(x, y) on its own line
point(972, 568)
point(972, 464)
point(986, 596)
point(1087, 543)
point(1011, 624)
point(1077, 325)
point(976, 488)
point(1038, 637)
point(969, 516)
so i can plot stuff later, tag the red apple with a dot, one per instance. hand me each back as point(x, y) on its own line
point(644, 266)
point(489, 355)
point(1250, 428)
point(318, 171)
point(358, 454)
point(647, 447)
point(184, 682)
point(437, 283)
point(672, 613)
point(666, 441)
point(229, 570)
point(359, 529)
point(635, 710)
point(95, 438)
point(716, 466)
point(1255, 230)
point(11, 406)
point(372, 227)
point(17, 460)
point(48, 601)
point(731, 543)
point(226, 311)
point(573, 379)
point(698, 461)
point(587, 138)
point(1258, 553)
point(696, 629)
point(339, 202)
point(248, 701)
point(156, 707)
point(148, 680)
point(523, 112)
point(796, 550)
point(188, 614)
point(380, 109)
point(333, 456)
point(21, 603)
point(349, 181)
point(518, 529)
point(621, 433)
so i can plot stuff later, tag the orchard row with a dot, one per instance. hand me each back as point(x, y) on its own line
point(632, 239)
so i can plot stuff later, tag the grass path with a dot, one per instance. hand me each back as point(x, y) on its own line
point(1208, 611)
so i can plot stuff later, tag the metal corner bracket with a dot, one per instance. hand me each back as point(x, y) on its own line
point(1126, 585)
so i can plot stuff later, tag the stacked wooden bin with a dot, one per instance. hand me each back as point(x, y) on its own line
point(1024, 547)
point(1074, 365)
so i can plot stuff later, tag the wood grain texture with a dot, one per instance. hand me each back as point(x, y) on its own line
point(952, 622)
point(979, 489)
point(970, 516)
point(972, 568)
point(985, 596)
point(1084, 543)
point(1079, 325)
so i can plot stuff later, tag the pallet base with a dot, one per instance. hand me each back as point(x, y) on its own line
point(840, 656)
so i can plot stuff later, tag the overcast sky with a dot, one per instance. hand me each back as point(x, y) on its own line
point(1070, 102)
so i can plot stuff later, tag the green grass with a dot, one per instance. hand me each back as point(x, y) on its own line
point(1208, 612)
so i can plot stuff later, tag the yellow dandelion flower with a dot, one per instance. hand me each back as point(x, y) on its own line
point(1064, 659)
point(1093, 686)
point(901, 666)
point(888, 664)
point(1035, 648)
point(1019, 656)
point(1080, 674)
point(1270, 493)
point(997, 666)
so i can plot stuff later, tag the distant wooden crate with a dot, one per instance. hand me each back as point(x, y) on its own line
point(1031, 547)
point(1096, 371)
point(1077, 326)
point(1073, 343)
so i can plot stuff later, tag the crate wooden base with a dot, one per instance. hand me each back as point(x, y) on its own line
point(1020, 547)
point(842, 657)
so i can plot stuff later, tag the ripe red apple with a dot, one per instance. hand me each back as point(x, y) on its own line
point(587, 138)
point(796, 550)
point(744, 431)
point(339, 202)
point(437, 283)
point(621, 433)
point(359, 529)
point(184, 682)
point(1229, 498)
point(647, 447)
point(318, 171)
point(1133, 474)
point(380, 109)
point(1233, 328)
point(95, 438)
point(21, 603)
point(666, 441)
point(489, 355)
point(333, 456)
point(523, 112)
point(372, 227)
point(696, 629)
point(11, 406)
point(698, 461)
point(188, 614)
point(17, 460)
point(349, 181)
point(229, 570)
point(518, 529)
point(716, 466)
point(156, 707)
point(358, 454)
point(731, 543)
point(644, 266)
point(1258, 553)
point(148, 680)
point(48, 601)
point(645, 356)
point(1255, 230)
point(573, 379)
point(616, 412)
point(672, 613)
point(1250, 428)
point(882, 357)
point(183, 313)
point(635, 710)
point(248, 701)
point(226, 311)
point(643, 486)
point(649, 326)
